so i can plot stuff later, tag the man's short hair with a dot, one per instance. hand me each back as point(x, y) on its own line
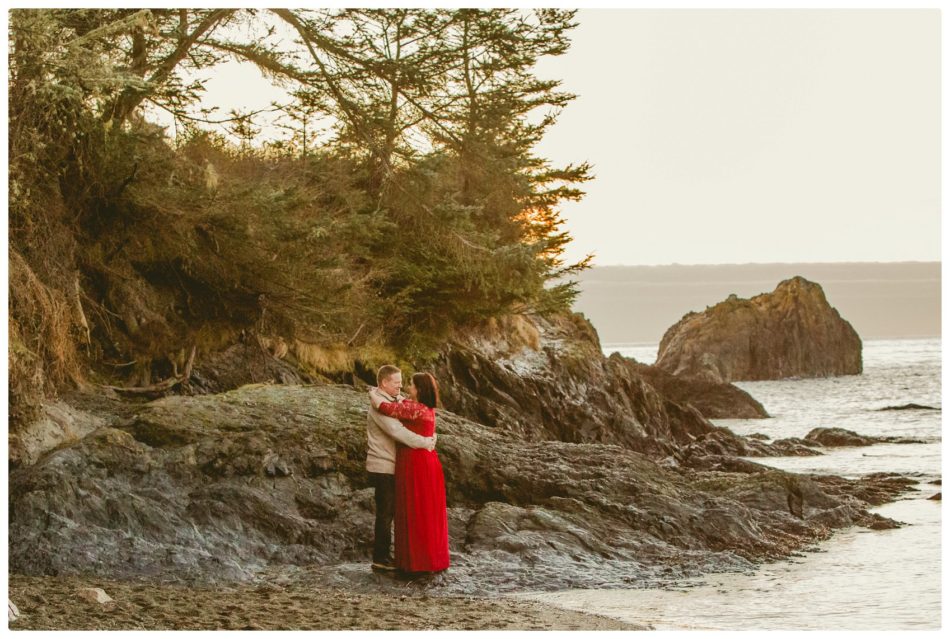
point(386, 371)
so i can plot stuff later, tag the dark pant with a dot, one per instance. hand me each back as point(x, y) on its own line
point(385, 486)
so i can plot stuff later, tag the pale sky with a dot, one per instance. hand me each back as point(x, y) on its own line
point(732, 136)
point(726, 136)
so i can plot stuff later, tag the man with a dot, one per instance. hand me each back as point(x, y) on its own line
point(382, 433)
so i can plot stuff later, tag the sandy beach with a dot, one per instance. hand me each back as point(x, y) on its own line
point(52, 603)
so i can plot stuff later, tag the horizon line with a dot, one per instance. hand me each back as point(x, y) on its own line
point(766, 263)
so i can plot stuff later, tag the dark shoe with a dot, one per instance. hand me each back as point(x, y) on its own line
point(380, 566)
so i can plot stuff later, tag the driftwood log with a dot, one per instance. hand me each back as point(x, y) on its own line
point(164, 385)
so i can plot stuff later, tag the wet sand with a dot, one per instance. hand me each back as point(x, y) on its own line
point(52, 603)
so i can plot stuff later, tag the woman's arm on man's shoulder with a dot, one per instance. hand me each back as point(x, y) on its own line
point(408, 410)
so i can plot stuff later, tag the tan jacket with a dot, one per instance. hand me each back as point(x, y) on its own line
point(382, 433)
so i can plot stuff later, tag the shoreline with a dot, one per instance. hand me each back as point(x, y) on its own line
point(52, 603)
point(772, 595)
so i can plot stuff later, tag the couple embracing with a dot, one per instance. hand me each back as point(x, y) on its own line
point(406, 473)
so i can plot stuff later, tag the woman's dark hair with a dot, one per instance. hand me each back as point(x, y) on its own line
point(427, 389)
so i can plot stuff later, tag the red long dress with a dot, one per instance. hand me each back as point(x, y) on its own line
point(421, 525)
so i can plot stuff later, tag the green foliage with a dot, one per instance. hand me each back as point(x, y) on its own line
point(425, 209)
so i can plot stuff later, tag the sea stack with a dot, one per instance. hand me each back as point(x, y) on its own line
point(791, 332)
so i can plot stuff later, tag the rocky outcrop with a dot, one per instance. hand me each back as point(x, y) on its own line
point(58, 423)
point(249, 361)
point(833, 437)
point(715, 400)
point(722, 444)
point(909, 407)
point(270, 478)
point(564, 468)
point(791, 332)
point(547, 379)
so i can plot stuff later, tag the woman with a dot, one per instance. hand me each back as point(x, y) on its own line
point(421, 525)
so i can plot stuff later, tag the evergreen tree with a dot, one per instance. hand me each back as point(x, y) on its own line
point(425, 196)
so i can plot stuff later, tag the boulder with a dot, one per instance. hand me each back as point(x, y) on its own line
point(832, 437)
point(13, 613)
point(715, 400)
point(838, 437)
point(94, 595)
point(58, 423)
point(791, 332)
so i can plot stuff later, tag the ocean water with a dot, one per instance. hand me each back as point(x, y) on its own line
point(858, 579)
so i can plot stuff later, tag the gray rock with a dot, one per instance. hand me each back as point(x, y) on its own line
point(721, 442)
point(180, 493)
point(833, 437)
point(58, 423)
point(838, 437)
point(715, 400)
